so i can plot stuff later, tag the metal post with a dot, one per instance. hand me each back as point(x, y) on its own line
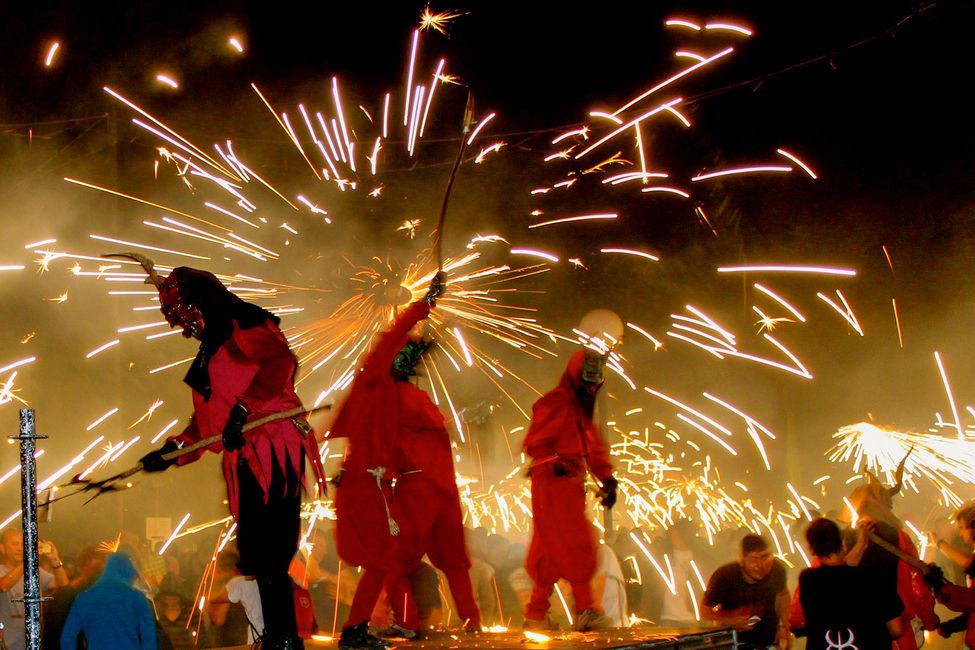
point(28, 498)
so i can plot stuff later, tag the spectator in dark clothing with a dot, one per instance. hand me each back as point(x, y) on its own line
point(91, 561)
point(837, 605)
point(112, 614)
point(173, 613)
point(751, 596)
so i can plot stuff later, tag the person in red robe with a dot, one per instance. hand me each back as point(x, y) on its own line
point(366, 532)
point(426, 504)
point(564, 444)
point(244, 370)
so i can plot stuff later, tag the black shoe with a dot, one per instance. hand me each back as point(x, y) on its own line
point(357, 637)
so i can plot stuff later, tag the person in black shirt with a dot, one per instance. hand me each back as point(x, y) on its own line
point(841, 606)
point(751, 596)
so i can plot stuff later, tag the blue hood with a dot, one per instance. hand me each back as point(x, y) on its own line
point(118, 568)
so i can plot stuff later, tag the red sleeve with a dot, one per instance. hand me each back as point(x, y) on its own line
point(957, 598)
point(599, 460)
point(797, 617)
point(549, 418)
point(912, 589)
point(392, 341)
point(266, 346)
point(190, 435)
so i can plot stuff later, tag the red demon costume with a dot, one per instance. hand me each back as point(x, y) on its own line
point(426, 504)
point(366, 533)
point(564, 443)
point(244, 371)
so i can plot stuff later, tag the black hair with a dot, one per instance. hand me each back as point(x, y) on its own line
point(824, 538)
point(751, 543)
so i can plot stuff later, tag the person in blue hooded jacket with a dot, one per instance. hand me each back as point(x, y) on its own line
point(112, 614)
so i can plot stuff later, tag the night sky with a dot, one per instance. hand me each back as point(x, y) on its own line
point(871, 95)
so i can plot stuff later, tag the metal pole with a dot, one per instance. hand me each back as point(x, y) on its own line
point(28, 498)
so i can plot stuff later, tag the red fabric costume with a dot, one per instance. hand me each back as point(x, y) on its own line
point(961, 599)
point(426, 504)
point(915, 594)
point(255, 368)
point(244, 366)
point(563, 543)
point(369, 420)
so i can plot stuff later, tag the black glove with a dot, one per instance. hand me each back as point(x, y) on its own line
point(560, 469)
point(154, 461)
point(233, 434)
point(438, 285)
point(935, 577)
point(608, 492)
point(953, 626)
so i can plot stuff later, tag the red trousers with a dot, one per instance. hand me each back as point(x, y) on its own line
point(431, 523)
point(563, 543)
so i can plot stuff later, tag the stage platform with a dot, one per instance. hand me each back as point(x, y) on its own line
point(645, 636)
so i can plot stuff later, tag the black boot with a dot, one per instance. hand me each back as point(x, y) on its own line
point(357, 637)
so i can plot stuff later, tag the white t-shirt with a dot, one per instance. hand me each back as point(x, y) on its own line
point(12, 614)
point(677, 609)
point(613, 598)
point(244, 591)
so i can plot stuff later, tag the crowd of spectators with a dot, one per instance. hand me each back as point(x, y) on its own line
point(148, 599)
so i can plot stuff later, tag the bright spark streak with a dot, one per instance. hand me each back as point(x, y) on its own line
point(16, 468)
point(186, 145)
point(175, 532)
point(821, 479)
point(847, 313)
point(771, 294)
point(386, 116)
point(635, 121)
point(41, 243)
point(484, 152)
point(742, 170)
point(101, 419)
point(689, 55)
point(584, 132)
point(729, 28)
point(236, 44)
point(687, 408)
point(951, 397)
point(628, 251)
point(680, 22)
point(49, 59)
point(409, 78)
point(854, 516)
point(170, 365)
point(123, 242)
point(710, 434)
point(605, 115)
point(163, 432)
point(796, 160)
point(12, 267)
point(690, 590)
point(679, 75)
point(101, 348)
point(585, 217)
point(781, 268)
point(167, 80)
point(668, 190)
point(463, 347)
point(17, 364)
point(479, 127)
point(802, 505)
point(534, 253)
point(656, 343)
point(897, 321)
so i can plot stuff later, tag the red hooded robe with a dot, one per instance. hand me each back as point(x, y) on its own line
point(563, 542)
point(369, 419)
